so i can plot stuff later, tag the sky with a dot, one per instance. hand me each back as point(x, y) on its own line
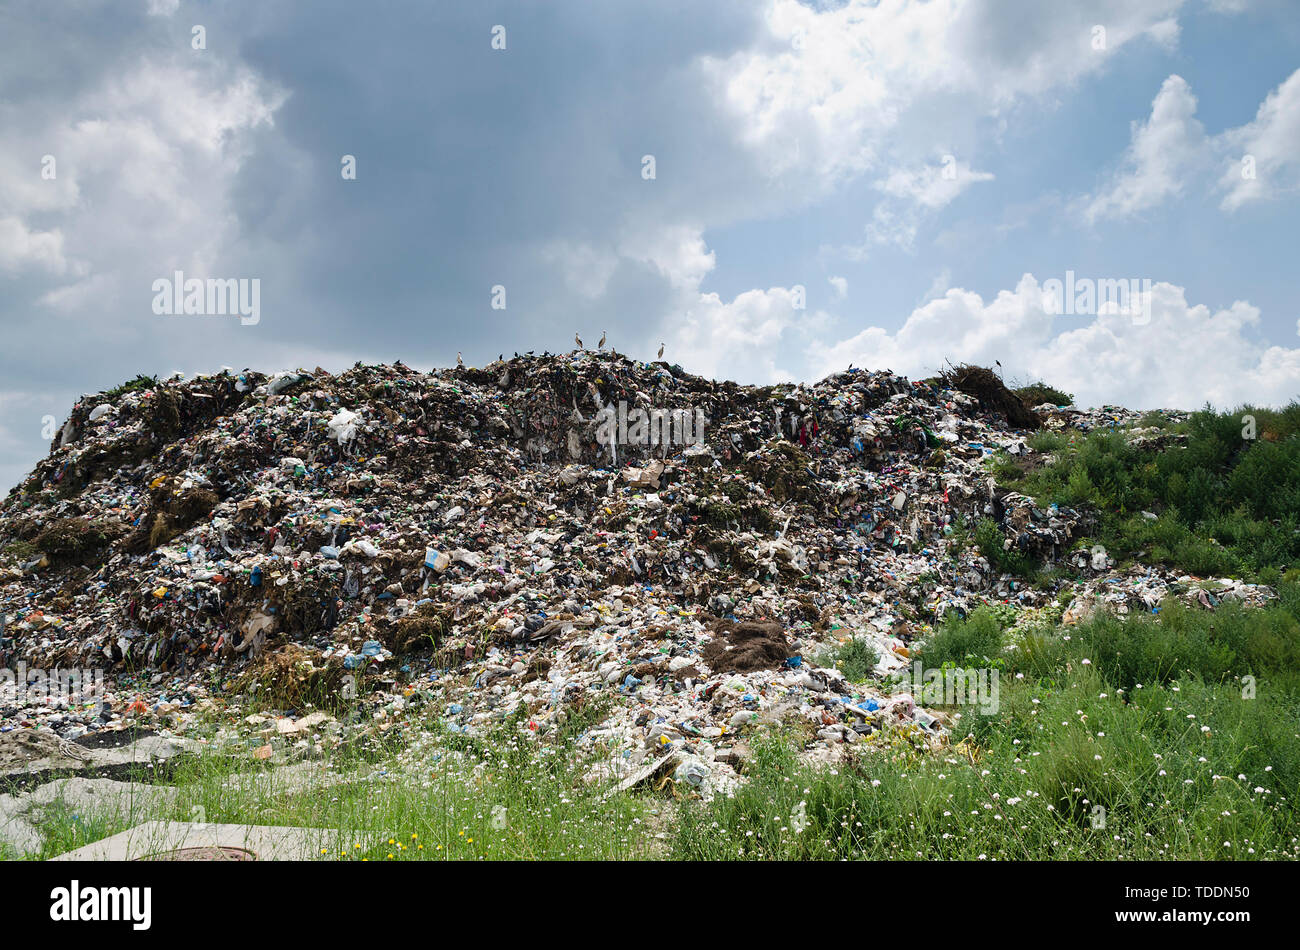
point(772, 189)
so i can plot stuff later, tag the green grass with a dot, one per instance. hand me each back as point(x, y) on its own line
point(1173, 735)
point(1035, 394)
point(1100, 749)
point(1227, 499)
point(427, 793)
point(133, 385)
point(991, 541)
point(856, 659)
point(976, 639)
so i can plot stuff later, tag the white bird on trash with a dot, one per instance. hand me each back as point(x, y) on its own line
point(459, 361)
point(601, 344)
point(578, 340)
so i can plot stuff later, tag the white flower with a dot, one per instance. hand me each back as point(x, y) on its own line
point(799, 818)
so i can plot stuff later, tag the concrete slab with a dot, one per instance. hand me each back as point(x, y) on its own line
point(153, 840)
point(30, 756)
point(87, 796)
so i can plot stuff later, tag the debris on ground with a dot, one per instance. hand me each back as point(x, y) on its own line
point(463, 542)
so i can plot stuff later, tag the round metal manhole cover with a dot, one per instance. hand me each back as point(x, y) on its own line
point(203, 854)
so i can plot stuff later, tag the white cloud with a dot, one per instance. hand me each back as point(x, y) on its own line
point(1257, 161)
point(736, 339)
point(1163, 151)
point(163, 7)
point(915, 193)
point(677, 251)
point(1182, 357)
point(1273, 141)
point(888, 225)
point(934, 186)
point(821, 93)
point(21, 248)
point(939, 286)
point(144, 171)
point(841, 286)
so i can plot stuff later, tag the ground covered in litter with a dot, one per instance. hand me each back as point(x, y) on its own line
point(422, 589)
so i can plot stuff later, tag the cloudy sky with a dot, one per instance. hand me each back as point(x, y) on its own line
point(774, 189)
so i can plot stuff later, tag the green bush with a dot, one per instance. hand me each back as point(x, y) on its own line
point(1035, 394)
point(856, 659)
point(975, 638)
point(991, 541)
point(1244, 493)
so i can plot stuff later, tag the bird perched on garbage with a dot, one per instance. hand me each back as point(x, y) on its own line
point(459, 361)
point(578, 340)
point(601, 344)
point(661, 351)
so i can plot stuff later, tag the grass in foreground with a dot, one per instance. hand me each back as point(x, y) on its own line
point(1173, 736)
point(1170, 737)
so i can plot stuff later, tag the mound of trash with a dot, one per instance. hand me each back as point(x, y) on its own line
point(516, 540)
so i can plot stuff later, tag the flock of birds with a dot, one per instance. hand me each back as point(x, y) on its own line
point(460, 362)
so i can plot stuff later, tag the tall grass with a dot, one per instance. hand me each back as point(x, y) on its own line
point(1175, 736)
point(1227, 496)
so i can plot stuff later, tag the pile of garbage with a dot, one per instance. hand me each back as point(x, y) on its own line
point(514, 540)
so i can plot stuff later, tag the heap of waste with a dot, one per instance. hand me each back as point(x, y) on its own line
point(483, 543)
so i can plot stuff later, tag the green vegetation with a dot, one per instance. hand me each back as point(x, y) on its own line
point(132, 385)
point(1226, 497)
point(1035, 394)
point(856, 659)
point(1118, 740)
point(973, 641)
point(18, 551)
point(992, 544)
point(1168, 736)
point(424, 795)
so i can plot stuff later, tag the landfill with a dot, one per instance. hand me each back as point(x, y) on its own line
point(466, 543)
